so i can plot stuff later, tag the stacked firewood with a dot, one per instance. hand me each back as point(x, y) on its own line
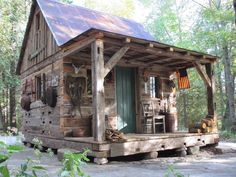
point(207, 125)
point(114, 135)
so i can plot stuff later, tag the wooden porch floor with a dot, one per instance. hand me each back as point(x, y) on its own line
point(140, 137)
point(134, 143)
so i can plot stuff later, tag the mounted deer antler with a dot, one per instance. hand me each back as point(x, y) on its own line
point(77, 68)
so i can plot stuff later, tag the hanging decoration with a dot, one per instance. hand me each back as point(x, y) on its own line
point(51, 96)
point(25, 98)
point(183, 81)
point(75, 87)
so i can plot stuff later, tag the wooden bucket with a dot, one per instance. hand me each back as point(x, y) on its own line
point(171, 122)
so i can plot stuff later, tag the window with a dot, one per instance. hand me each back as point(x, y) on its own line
point(38, 90)
point(154, 87)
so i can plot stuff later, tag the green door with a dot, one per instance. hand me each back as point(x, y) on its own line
point(125, 94)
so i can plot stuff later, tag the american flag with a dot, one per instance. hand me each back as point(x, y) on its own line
point(183, 81)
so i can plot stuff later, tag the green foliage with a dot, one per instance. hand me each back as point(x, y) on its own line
point(228, 135)
point(206, 27)
point(123, 8)
point(7, 150)
point(4, 171)
point(13, 15)
point(172, 172)
point(37, 147)
point(5, 153)
point(29, 169)
point(72, 164)
point(3, 157)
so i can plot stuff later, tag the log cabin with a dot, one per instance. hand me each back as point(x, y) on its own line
point(101, 82)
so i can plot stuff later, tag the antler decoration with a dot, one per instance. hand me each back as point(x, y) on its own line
point(77, 68)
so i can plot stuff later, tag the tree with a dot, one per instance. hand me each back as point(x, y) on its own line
point(217, 25)
point(123, 8)
point(234, 4)
point(12, 23)
point(209, 28)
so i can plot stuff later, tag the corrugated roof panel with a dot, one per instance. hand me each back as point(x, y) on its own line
point(68, 21)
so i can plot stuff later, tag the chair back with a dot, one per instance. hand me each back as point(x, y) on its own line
point(147, 108)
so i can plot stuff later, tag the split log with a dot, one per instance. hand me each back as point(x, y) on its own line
point(194, 130)
point(208, 122)
point(199, 125)
point(114, 135)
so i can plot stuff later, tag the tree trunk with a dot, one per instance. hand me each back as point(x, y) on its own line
point(12, 99)
point(1, 118)
point(234, 4)
point(185, 109)
point(229, 87)
point(220, 87)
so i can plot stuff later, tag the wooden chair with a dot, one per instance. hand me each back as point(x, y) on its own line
point(150, 120)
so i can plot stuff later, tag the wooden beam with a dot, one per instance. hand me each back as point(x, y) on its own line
point(155, 50)
point(175, 62)
point(78, 46)
point(158, 60)
point(97, 67)
point(210, 90)
point(109, 48)
point(140, 57)
point(114, 59)
point(144, 64)
point(202, 73)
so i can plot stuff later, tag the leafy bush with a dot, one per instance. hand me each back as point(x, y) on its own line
point(30, 168)
point(7, 150)
point(72, 164)
point(5, 153)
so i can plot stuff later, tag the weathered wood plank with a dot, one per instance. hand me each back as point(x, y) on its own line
point(114, 59)
point(202, 73)
point(79, 46)
point(210, 91)
point(98, 90)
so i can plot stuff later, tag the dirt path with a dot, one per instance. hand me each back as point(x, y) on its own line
point(205, 164)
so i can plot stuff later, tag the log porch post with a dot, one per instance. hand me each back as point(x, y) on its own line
point(210, 90)
point(98, 90)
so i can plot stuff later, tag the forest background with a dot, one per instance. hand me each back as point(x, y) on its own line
point(201, 25)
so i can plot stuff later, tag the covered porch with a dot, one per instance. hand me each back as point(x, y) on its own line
point(109, 53)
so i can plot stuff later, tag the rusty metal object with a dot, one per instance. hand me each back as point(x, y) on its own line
point(51, 96)
point(25, 102)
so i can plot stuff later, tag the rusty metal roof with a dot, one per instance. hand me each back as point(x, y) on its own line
point(68, 21)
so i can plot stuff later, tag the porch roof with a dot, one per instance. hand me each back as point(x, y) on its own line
point(144, 52)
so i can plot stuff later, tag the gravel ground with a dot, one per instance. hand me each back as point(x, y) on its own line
point(219, 162)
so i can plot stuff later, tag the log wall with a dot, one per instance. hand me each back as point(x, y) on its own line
point(40, 43)
point(42, 58)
